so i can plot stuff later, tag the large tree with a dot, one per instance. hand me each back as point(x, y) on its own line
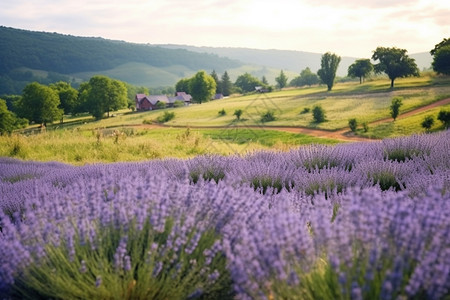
point(281, 80)
point(247, 83)
point(395, 63)
point(360, 68)
point(7, 119)
point(183, 85)
point(329, 64)
point(306, 78)
point(226, 83)
point(39, 104)
point(441, 57)
point(104, 95)
point(217, 80)
point(202, 87)
point(68, 96)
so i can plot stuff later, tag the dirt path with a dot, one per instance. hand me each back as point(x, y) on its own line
point(341, 134)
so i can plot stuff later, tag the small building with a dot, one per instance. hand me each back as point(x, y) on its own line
point(144, 102)
point(217, 97)
point(181, 96)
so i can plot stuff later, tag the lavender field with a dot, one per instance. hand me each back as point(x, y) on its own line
point(352, 221)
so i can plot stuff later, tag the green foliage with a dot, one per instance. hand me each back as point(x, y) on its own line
point(222, 112)
point(427, 122)
point(91, 272)
point(102, 95)
point(318, 114)
point(441, 59)
point(329, 64)
point(161, 105)
point(444, 117)
point(183, 85)
point(365, 126)
point(281, 80)
point(218, 83)
point(226, 84)
point(305, 110)
point(166, 117)
point(39, 104)
point(395, 107)
point(68, 96)
point(7, 118)
point(360, 68)
point(386, 180)
point(247, 83)
point(263, 184)
point(353, 124)
point(178, 103)
point(306, 78)
point(202, 87)
point(238, 113)
point(395, 63)
point(268, 116)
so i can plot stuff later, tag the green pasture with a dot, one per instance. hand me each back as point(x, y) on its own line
point(407, 126)
point(367, 102)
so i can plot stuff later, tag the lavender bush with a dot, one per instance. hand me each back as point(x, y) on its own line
point(353, 221)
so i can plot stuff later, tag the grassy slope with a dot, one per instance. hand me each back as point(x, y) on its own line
point(367, 102)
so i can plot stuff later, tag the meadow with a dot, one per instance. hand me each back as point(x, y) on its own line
point(350, 221)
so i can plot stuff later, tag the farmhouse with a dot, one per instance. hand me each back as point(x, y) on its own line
point(144, 102)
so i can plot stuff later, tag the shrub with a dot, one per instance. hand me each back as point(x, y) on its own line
point(444, 117)
point(147, 121)
point(427, 122)
point(178, 103)
point(268, 116)
point(395, 107)
point(365, 126)
point(318, 114)
point(166, 117)
point(160, 105)
point(238, 113)
point(305, 110)
point(222, 112)
point(353, 124)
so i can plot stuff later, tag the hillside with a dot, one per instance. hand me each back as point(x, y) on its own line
point(25, 52)
point(286, 59)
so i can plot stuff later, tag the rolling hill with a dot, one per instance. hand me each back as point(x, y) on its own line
point(28, 56)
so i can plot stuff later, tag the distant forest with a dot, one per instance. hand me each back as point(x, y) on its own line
point(64, 55)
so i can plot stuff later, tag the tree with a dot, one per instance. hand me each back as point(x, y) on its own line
point(360, 68)
point(247, 82)
point(427, 122)
point(395, 63)
point(183, 85)
point(306, 78)
point(216, 79)
point(264, 80)
point(6, 118)
point(318, 114)
point(441, 57)
point(353, 124)
point(226, 83)
point(202, 87)
point(281, 80)
point(329, 64)
point(238, 113)
point(39, 104)
point(395, 107)
point(103, 95)
point(444, 117)
point(68, 96)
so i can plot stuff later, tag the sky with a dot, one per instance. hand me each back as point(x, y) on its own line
point(347, 27)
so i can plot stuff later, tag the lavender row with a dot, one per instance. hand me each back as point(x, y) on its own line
point(314, 221)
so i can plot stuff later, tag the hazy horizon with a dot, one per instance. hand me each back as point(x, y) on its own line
point(352, 29)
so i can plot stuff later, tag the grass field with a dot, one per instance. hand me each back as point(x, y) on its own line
point(83, 140)
point(128, 144)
